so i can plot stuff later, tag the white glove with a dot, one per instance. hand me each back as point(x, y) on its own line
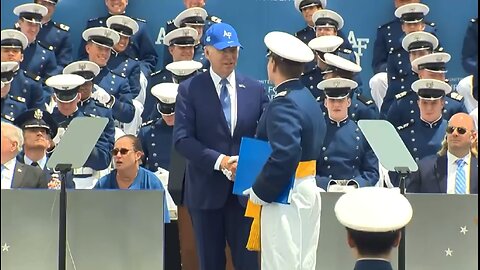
point(101, 95)
point(228, 173)
point(58, 137)
point(253, 197)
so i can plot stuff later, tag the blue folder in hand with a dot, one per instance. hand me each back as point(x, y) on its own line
point(253, 155)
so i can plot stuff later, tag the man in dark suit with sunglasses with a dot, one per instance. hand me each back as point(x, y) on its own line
point(454, 170)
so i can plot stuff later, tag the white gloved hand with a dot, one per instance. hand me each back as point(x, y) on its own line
point(253, 197)
point(58, 137)
point(232, 159)
point(228, 174)
point(101, 95)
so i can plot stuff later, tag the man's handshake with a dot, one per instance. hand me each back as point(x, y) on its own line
point(229, 167)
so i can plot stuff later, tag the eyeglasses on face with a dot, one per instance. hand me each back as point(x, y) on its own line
point(460, 130)
point(122, 151)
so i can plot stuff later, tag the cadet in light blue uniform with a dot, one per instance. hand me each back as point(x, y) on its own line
point(388, 39)
point(156, 135)
point(308, 8)
point(111, 89)
point(56, 35)
point(424, 137)
point(141, 45)
point(120, 61)
point(399, 71)
point(405, 108)
point(66, 87)
point(362, 106)
point(24, 84)
point(11, 106)
point(89, 70)
point(470, 48)
point(327, 24)
point(200, 21)
point(294, 127)
point(39, 58)
point(346, 154)
point(373, 231)
point(180, 43)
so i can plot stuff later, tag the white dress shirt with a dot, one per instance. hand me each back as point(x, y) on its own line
point(452, 172)
point(232, 91)
point(7, 173)
point(42, 162)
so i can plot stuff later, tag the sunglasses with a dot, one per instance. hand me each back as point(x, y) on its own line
point(460, 130)
point(122, 151)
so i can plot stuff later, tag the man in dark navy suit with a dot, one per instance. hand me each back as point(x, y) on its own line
point(373, 231)
point(213, 111)
point(454, 170)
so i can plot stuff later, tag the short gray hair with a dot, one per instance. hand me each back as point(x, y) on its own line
point(13, 133)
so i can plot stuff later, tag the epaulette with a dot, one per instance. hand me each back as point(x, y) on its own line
point(99, 104)
point(365, 100)
point(32, 76)
point(215, 19)
point(139, 20)
point(48, 47)
point(456, 96)
point(18, 98)
point(62, 26)
point(156, 73)
point(386, 24)
point(149, 122)
point(118, 74)
point(403, 126)
point(8, 117)
point(401, 95)
point(281, 94)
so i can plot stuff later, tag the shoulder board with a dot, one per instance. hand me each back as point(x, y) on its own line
point(92, 115)
point(403, 126)
point(386, 24)
point(18, 98)
point(139, 20)
point(345, 50)
point(48, 47)
point(96, 19)
point(365, 100)
point(8, 117)
point(118, 73)
point(99, 104)
point(62, 26)
point(456, 96)
point(156, 72)
point(401, 95)
point(215, 19)
point(281, 94)
point(149, 122)
point(32, 76)
point(474, 20)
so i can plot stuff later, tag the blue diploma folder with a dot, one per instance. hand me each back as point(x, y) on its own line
point(253, 155)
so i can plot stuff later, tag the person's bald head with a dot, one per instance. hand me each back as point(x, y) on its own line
point(462, 120)
point(194, 3)
point(461, 134)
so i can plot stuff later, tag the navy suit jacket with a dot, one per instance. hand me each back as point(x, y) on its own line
point(431, 176)
point(201, 134)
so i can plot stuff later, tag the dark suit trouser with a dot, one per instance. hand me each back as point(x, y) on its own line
point(214, 227)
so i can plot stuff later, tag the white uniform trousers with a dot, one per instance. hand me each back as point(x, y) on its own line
point(290, 232)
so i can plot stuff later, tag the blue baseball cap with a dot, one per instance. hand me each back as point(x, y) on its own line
point(221, 36)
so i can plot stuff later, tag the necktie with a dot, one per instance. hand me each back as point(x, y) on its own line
point(460, 179)
point(225, 100)
point(34, 164)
